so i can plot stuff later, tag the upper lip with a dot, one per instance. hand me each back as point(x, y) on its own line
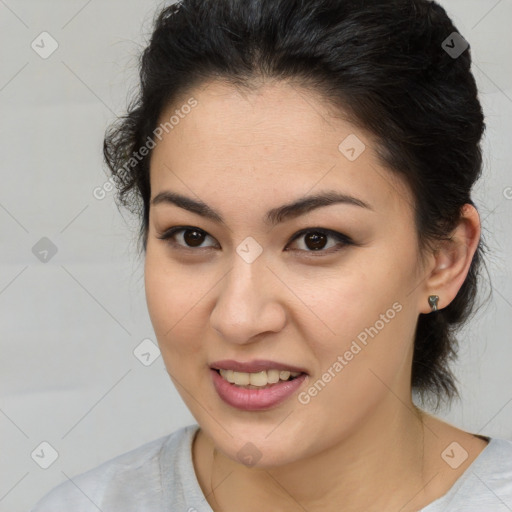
point(256, 365)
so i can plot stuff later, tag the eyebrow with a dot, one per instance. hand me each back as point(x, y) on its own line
point(274, 216)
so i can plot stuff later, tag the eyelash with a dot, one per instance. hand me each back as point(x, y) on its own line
point(345, 240)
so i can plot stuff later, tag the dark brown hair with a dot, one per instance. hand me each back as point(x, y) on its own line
point(383, 62)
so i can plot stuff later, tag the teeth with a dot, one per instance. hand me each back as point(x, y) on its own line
point(259, 379)
point(241, 379)
point(273, 376)
point(284, 375)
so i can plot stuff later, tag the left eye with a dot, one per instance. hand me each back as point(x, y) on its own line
point(314, 239)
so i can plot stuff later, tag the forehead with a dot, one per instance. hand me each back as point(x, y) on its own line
point(279, 140)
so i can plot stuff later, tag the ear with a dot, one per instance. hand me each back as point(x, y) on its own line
point(451, 261)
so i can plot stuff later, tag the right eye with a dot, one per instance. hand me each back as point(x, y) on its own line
point(190, 237)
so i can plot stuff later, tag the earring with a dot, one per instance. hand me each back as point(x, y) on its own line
point(432, 300)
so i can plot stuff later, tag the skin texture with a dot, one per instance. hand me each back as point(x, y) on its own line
point(360, 441)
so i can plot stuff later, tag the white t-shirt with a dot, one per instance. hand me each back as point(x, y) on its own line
point(159, 477)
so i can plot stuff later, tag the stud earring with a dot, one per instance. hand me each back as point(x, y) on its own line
point(433, 300)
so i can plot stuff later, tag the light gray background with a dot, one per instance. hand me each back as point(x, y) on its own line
point(69, 326)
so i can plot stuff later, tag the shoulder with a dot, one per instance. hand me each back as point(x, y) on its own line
point(485, 485)
point(123, 483)
point(495, 466)
point(489, 483)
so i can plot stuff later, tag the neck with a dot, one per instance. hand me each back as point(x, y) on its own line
point(379, 466)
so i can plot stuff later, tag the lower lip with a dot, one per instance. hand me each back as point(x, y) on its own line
point(255, 399)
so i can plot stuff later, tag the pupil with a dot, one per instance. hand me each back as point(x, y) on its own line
point(316, 239)
point(194, 240)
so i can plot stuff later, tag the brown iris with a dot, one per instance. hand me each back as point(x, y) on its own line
point(193, 238)
point(315, 240)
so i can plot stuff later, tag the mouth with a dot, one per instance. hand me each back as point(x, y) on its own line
point(257, 380)
point(256, 391)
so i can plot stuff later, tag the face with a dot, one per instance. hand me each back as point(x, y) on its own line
point(332, 290)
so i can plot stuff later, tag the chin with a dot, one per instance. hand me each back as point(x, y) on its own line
point(258, 445)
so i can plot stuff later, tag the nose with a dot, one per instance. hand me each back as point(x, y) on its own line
point(249, 302)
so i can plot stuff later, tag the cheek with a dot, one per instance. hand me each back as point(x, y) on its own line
point(173, 302)
point(364, 365)
point(363, 316)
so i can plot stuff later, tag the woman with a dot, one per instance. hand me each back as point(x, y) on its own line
point(303, 174)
